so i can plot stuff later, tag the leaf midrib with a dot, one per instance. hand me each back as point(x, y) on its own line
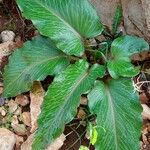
point(31, 66)
point(57, 16)
point(110, 101)
point(69, 95)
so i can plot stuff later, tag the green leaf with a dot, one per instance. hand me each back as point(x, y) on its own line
point(62, 99)
point(122, 67)
point(83, 148)
point(117, 19)
point(118, 113)
point(66, 22)
point(121, 49)
point(93, 134)
point(126, 46)
point(34, 61)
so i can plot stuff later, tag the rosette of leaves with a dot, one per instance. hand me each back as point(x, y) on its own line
point(60, 51)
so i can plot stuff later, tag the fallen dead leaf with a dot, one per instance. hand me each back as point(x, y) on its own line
point(36, 96)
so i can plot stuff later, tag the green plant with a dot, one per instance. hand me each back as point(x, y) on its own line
point(102, 72)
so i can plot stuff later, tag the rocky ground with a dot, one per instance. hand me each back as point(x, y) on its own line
point(18, 116)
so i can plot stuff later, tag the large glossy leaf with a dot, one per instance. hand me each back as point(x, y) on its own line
point(118, 115)
point(62, 99)
point(65, 21)
point(34, 61)
point(121, 49)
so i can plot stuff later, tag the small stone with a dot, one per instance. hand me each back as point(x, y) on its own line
point(146, 112)
point(4, 120)
point(19, 141)
point(22, 100)
point(27, 145)
point(81, 114)
point(18, 111)
point(145, 140)
point(14, 120)
point(19, 129)
point(7, 139)
point(12, 106)
point(26, 118)
point(83, 101)
point(56, 145)
point(3, 111)
point(7, 36)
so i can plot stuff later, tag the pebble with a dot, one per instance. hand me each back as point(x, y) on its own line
point(7, 139)
point(83, 101)
point(19, 129)
point(12, 106)
point(7, 36)
point(56, 145)
point(81, 114)
point(3, 111)
point(18, 111)
point(19, 141)
point(26, 118)
point(14, 120)
point(22, 100)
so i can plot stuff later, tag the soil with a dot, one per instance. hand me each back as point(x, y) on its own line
point(11, 19)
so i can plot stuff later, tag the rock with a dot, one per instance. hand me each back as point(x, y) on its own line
point(7, 139)
point(12, 106)
point(56, 145)
point(3, 111)
point(14, 120)
point(22, 100)
point(5, 49)
point(26, 118)
point(105, 9)
point(83, 101)
point(27, 145)
point(18, 111)
point(7, 36)
point(36, 96)
point(81, 114)
point(136, 15)
point(19, 129)
point(19, 141)
point(146, 112)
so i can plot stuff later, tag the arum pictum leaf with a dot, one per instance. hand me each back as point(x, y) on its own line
point(118, 113)
point(62, 99)
point(66, 22)
point(34, 61)
point(121, 49)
